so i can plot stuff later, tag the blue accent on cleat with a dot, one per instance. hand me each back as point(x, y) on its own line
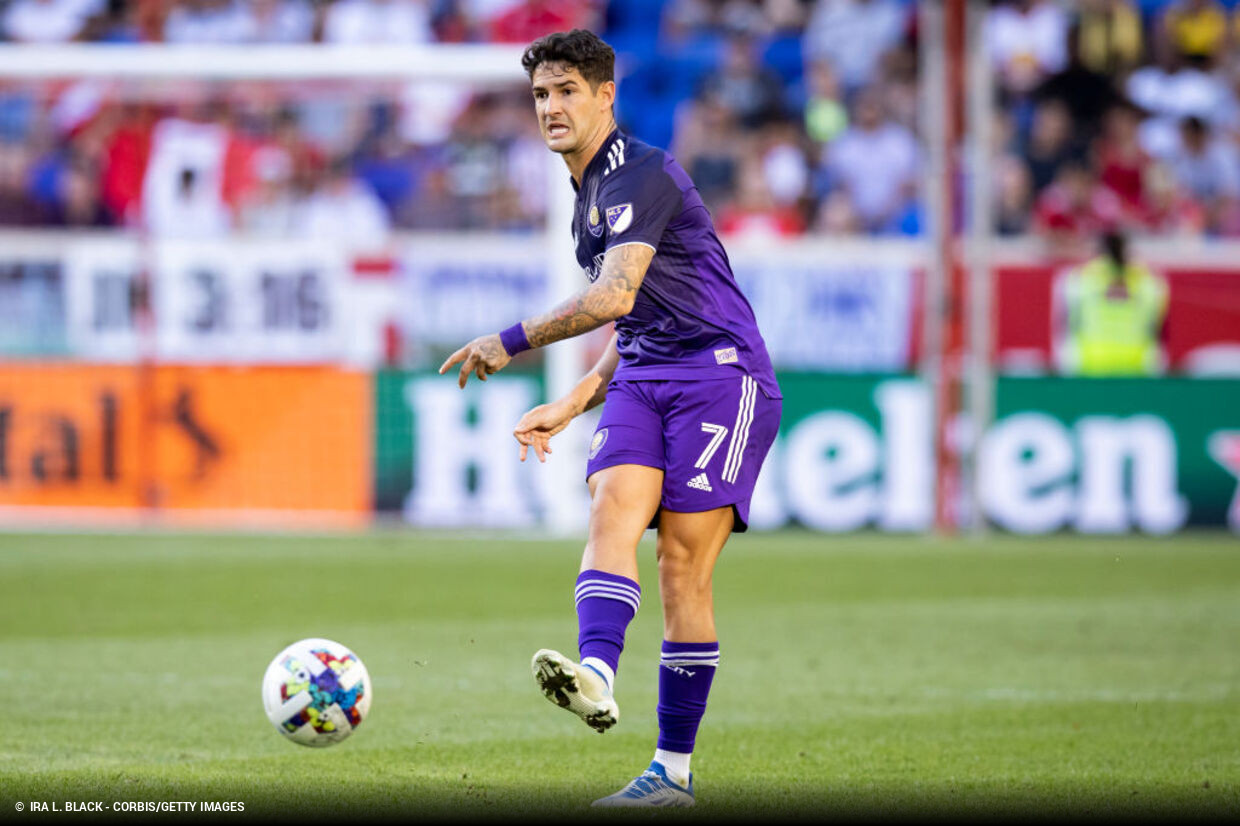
point(651, 788)
point(596, 671)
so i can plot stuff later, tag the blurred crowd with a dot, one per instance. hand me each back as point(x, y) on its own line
point(289, 21)
point(351, 159)
point(792, 116)
point(1117, 115)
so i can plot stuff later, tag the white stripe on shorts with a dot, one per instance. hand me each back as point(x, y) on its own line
point(740, 431)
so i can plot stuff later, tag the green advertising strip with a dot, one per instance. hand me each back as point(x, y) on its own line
point(422, 415)
point(394, 444)
point(856, 451)
point(1111, 454)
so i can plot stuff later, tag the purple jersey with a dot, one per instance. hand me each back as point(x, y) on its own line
point(690, 319)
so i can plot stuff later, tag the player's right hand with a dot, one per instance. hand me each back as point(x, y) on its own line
point(482, 356)
point(538, 426)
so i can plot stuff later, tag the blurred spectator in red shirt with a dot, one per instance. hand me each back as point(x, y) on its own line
point(125, 155)
point(1075, 206)
point(755, 212)
point(1121, 161)
point(531, 19)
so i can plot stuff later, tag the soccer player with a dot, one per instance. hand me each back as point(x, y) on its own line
point(692, 405)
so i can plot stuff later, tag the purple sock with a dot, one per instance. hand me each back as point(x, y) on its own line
point(606, 604)
point(685, 673)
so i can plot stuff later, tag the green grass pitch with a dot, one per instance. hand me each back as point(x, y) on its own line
point(862, 676)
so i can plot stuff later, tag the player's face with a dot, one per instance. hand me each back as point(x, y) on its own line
point(570, 113)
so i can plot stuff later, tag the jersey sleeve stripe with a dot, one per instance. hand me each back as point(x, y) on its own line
point(626, 243)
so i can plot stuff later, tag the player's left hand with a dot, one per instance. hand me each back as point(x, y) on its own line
point(482, 356)
point(538, 426)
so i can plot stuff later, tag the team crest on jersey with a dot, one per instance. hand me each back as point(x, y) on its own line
point(594, 224)
point(619, 217)
point(600, 439)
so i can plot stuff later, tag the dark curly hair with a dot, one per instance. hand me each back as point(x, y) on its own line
point(579, 49)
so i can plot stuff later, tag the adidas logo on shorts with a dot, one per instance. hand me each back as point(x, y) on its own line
point(700, 482)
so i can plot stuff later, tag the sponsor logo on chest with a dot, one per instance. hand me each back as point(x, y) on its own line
point(595, 268)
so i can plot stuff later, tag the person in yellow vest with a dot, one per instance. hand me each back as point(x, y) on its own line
point(1111, 315)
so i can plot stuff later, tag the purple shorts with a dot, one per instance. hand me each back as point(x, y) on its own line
point(708, 437)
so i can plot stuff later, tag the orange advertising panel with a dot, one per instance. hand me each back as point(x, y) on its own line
point(179, 440)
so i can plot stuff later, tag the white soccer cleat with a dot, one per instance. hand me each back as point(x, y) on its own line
point(650, 788)
point(577, 688)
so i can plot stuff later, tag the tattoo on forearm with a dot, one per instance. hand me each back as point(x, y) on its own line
point(605, 300)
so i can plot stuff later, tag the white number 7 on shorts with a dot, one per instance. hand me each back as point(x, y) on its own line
point(719, 433)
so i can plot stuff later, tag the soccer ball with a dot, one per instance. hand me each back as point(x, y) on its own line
point(316, 692)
